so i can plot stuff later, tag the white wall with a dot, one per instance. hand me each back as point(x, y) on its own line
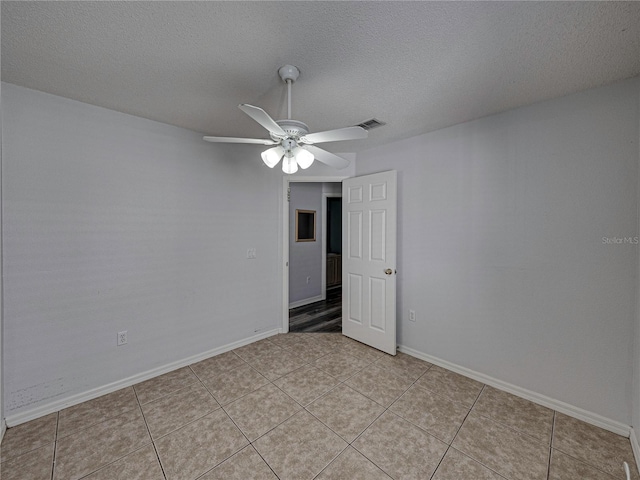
point(332, 188)
point(500, 245)
point(305, 258)
point(635, 417)
point(113, 222)
point(2, 422)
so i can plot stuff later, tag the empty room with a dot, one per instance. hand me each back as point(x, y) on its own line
point(308, 240)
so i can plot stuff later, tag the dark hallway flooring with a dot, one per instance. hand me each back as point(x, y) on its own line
point(323, 316)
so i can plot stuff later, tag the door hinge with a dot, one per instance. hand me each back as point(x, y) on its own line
point(289, 194)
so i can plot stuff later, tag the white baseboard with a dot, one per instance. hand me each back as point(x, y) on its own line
point(635, 447)
point(22, 417)
point(562, 407)
point(3, 428)
point(306, 301)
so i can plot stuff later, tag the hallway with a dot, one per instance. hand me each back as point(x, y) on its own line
point(323, 316)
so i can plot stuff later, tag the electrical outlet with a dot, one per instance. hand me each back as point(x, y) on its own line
point(412, 315)
point(251, 253)
point(122, 337)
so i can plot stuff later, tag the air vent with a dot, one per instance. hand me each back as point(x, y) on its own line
point(370, 124)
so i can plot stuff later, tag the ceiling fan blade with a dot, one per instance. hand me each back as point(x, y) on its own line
point(328, 158)
point(338, 135)
point(255, 141)
point(260, 116)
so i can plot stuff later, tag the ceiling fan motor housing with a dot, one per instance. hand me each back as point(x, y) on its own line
point(293, 128)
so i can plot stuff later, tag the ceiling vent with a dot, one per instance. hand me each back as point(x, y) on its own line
point(370, 124)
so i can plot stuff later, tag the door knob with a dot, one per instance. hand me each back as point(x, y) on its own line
point(388, 271)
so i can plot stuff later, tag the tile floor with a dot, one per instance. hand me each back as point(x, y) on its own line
point(311, 406)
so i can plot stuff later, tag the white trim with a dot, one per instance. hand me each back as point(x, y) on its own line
point(57, 405)
point(285, 237)
point(323, 275)
point(562, 407)
point(634, 445)
point(285, 255)
point(306, 301)
point(3, 428)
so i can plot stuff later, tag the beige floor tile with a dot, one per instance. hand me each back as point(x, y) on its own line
point(258, 412)
point(288, 340)
point(306, 384)
point(308, 351)
point(244, 465)
point(28, 436)
point(34, 465)
point(162, 385)
point(329, 340)
point(362, 351)
point(595, 446)
point(379, 384)
point(451, 385)
point(256, 349)
point(340, 365)
point(274, 365)
point(199, 446)
point(231, 385)
point(352, 465)
point(96, 411)
point(512, 454)
point(214, 366)
point(177, 409)
point(88, 450)
point(299, 448)
point(401, 449)
point(139, 465)
point(564, 467)
point(516, 412)
point(456, 466)
point(403, 365)
point(345, 411)
point(434, 413)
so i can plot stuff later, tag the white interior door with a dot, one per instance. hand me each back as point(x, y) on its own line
point(369, 211)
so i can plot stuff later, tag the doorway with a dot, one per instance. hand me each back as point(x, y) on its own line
point(324, 315)
point(313, 279)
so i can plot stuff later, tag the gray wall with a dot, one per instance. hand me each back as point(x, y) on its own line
point(305, 258)
point(113, 222)
point(1, 308)
point(635, 417)
point(501, 253)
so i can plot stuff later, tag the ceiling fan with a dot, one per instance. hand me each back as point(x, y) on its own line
point(290, 139)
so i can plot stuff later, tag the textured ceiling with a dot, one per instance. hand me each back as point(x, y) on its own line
point(418, 66)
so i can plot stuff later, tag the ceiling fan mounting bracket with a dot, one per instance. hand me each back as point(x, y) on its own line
point(289, 72)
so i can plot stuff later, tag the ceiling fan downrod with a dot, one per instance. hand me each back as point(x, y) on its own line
point(289, 74)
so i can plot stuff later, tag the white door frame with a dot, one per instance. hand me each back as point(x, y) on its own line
point(323, 282)
point(285, 237)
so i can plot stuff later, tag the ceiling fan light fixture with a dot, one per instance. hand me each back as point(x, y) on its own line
point(289, 165)
point(303, 157)
point(272, 156)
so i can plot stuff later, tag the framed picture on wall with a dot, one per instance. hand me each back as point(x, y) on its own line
point(305, 225)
